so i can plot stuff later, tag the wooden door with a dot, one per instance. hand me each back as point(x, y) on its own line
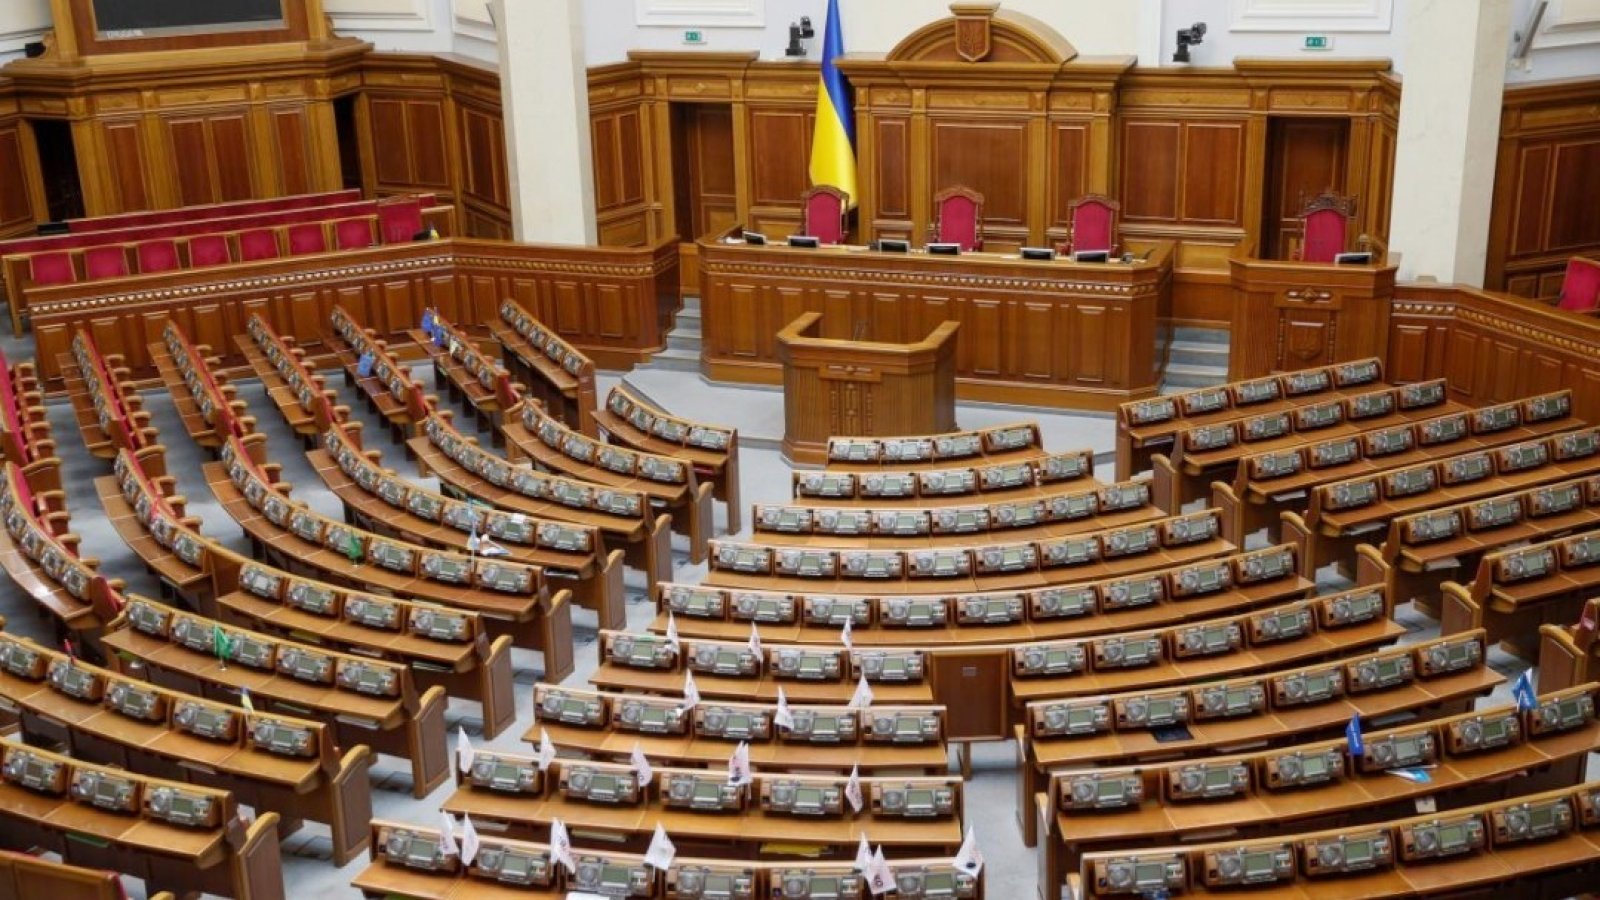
point(703, 161)
point(1305, 157)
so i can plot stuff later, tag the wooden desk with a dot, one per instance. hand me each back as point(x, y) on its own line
point(1053, 333)
point(555, 371)
point(866, 388)
point(712, 449)
point(1290, 315)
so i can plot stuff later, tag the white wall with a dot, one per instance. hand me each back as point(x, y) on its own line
point(21, 21)
point(1253, 28)
point(415, 26)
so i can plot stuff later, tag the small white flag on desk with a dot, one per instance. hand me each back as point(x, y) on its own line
point(661, 850)
point(863, 855)
point(464, 752)
point(672, 631)
point(844, 634)
point(852, 789)
point(862, 698)
point(880, 878)
point(469, 841)
point(561, 846)
point(691, 694)
point(969, 858)
point(641, 766)
point(739, 765)
point(447, 834)
point(781, 716)
point(547, 750)
point(755, 641)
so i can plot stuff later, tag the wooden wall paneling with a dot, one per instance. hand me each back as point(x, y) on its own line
point(16, 210)
point(1305, 157)
point(122, 172)
point(779, 104)
point(290, 134)
point(1547, 173)
point(620, 134)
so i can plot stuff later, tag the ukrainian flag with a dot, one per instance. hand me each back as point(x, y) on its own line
point(833, 151)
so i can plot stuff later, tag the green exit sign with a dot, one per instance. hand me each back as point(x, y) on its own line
point(694, 36)
point(1318, 42)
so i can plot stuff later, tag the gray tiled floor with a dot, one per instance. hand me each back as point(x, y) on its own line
point(991, 793)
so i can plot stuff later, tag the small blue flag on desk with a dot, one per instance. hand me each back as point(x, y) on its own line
point(1527, 699)
point(427, 322)
point(1352, 736)
point(364, 365)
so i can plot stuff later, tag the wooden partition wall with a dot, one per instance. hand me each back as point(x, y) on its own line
point(1546, 180)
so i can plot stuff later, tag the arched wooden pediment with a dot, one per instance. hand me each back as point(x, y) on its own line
point(983, 32)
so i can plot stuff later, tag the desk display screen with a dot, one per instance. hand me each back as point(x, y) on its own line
point(149, 18)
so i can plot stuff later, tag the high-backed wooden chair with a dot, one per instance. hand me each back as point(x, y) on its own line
point(824, 208)
point(1580, 289)
point(958, 218)
point(1094, 221)
point(1324, 227)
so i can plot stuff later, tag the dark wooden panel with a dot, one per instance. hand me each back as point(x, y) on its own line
point(712, 186)
point(230, 151)
point(430, 163)
point(391, 156)
point(1575, 220)
point(14, 209)
point(1036, 341)
point(1408, 353)
point(608, 165)
point(780, 156)
point(125, 158)
point(485, 156)
point(893, 168)
point(1532, 203)
point(1069, 168)
point(1150, 170)
point(190, 161)
point(630, 149)
point(1213, 166)
point(294, 154)
point(991, 157)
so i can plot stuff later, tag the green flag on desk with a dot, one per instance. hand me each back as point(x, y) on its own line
point(220, 643)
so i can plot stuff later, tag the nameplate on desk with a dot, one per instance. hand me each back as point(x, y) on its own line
point(359, 722)
point(888, 245)
point(196, 767)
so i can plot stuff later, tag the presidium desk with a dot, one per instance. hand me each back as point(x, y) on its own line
point(1036, 332)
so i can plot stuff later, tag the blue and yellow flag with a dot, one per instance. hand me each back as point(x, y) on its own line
point(833, 143)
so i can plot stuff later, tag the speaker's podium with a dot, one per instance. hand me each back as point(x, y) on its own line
point(1296, 315)
point(862, 388)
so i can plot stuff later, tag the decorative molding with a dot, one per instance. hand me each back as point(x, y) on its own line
point(380, 15)
point(1569, 23)
point(701, 13)
point(471, 19)
point(1311, 15)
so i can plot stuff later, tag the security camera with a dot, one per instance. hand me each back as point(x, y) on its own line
point(799, 31)
point(1188, 37)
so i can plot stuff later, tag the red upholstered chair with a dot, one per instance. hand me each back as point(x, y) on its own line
point(1325, 227)
point(352, 234)
point(105, 262)
point(1093, 221)
point(157, 256)
point(958, 218)
point(1580, 289)
point(52, 267)
point(261, 243)
point(823, 209)
point(208, 250)
point(399, 220)
point(307, 237)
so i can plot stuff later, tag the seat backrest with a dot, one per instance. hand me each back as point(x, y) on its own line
point(157, 256)
point(208, 250)
point(261, 243)
point(1580, 289)
point(1094, 223)
point(307, 237)
point(824, 208)
point(105, 262)
point(1324, 227)
point(52, 267)
point(958, 212)
point(399, 220)
point(353, 234)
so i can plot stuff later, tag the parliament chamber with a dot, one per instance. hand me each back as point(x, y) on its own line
point(649, 449)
